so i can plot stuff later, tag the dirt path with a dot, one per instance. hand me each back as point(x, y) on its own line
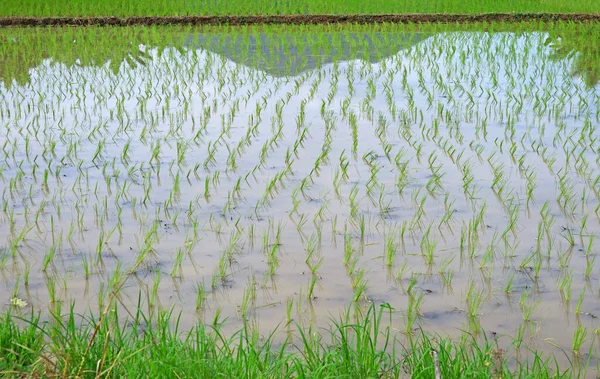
point(294, 19)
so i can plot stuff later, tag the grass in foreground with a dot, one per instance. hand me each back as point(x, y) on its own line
point(34, 8)
point(142, 346)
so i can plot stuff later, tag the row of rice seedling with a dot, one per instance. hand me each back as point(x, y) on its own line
point(271, 175)
point(275, 7)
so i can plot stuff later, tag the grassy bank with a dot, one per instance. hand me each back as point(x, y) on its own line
point(152, 346)
point(265, 7)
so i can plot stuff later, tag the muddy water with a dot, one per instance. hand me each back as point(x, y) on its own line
point(355, 169)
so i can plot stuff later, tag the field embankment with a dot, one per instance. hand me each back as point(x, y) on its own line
point(322, 19)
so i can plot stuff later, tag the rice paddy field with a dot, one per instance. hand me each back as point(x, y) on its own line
point(273, 178)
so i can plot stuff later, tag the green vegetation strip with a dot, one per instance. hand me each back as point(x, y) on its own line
point(151, 346)
point(295, 19)
point(124, 8)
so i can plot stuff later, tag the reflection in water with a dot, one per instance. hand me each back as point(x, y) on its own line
point(277, 54)
point(583, 46)
point(24, 49)
point(285, 52)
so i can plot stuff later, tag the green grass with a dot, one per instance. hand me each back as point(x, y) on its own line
point(20, 345)
point(264, 7)
point(152, 346)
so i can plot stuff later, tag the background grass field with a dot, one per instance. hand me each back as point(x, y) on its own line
point(34, 8)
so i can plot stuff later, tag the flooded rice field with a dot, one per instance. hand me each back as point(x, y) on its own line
point(280, 178)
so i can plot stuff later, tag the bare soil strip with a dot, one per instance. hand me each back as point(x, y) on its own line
point(295, 19)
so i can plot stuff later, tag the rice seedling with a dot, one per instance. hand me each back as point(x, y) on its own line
point(288, 308)
point(579, 338)
point(200, 296)
point(48, 257)
point(474, 300)
point(590, 263)
point(508, 287)
point(565, 285)
point(390, 250)
point(527, 309)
